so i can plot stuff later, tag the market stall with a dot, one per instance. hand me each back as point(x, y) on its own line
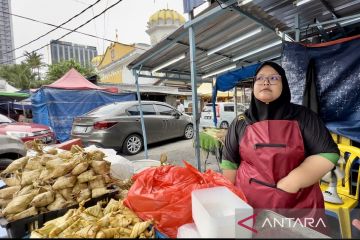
point(92, 193)
point(72, 95)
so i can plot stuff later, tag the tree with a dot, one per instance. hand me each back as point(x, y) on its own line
point(33, 60)
point(57, 70)
point(18, 75)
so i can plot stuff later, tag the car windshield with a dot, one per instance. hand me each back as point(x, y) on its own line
point(4, 119)
point(110, 109)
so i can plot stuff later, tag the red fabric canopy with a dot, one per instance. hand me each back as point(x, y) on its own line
point(74, 80)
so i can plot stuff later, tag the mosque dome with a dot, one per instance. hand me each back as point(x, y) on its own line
point(167, 16)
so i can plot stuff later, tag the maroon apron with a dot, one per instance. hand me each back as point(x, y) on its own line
point(269, 151)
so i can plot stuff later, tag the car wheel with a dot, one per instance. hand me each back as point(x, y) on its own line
point(189, 131)
point(224, 124)
point(132, 144)
point(4, 162)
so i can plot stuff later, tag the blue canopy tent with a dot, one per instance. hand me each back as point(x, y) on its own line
point(229, 80)
point(56, 105)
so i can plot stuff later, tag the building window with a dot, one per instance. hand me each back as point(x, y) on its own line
point(77, 54)
point(66, 52)
point(61, 52)
point(87, 61)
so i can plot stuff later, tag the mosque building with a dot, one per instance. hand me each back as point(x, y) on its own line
point(112, 65)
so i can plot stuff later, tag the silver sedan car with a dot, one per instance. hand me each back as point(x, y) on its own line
point(118, 125)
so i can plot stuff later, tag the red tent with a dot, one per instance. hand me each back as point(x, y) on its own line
point(74, 80)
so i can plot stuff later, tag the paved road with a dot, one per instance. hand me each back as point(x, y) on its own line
point(177, 150)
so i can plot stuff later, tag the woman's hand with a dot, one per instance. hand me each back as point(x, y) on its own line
point(287, 185)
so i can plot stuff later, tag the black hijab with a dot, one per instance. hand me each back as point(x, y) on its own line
point(279, 109)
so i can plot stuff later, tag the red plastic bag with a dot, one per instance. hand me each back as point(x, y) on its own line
point(163, 194)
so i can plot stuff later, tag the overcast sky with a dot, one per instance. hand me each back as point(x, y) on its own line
point(129, 17)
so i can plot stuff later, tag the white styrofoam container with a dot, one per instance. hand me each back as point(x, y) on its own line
point(213, 211)
point(188, 231)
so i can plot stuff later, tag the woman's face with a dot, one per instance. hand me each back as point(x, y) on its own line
point(267, 85)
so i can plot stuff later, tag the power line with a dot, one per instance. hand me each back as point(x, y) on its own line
point(57, 27)
point(53, 25)
point(71, 31)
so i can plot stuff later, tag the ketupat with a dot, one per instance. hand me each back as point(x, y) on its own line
point(98, 182)
point(18, 204)
point(12, 180)
point(59, 203)
point(97, 192)
point(26, 213)
point(83, 195)
point(80, 168)
point(43, 199)
point(72, 228)
point(50, 167)
point(64, 182)
point(25, 190)
point(78, 187)
point(86, 176)
point(16, 165)
point(120, 221)
point(76, 149)
point(46, 158)
point(65, 155)
point(86, 226)
point(33, 163)
point(8, 192)
point(57, 230)
point(96, 155)
point(53, 163)
point(67, 193)
point(95, 211)
point(62, 170)
point(29, 176)
point(112, 206)
point(100, 167)
point(139, 228)
point(87, 232)
point(104, 221)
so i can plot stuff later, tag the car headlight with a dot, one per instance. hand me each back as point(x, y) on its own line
point(19, 134)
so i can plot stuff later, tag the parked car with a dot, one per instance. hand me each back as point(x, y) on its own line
point(26, 131)
point(225, 113)
point(10, 149)
point(118, 126)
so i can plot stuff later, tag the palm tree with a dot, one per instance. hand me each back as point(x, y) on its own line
point(18, 75)
point(33, 60)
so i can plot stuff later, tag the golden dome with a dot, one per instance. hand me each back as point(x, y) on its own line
point(97, 60)
point(166, 14)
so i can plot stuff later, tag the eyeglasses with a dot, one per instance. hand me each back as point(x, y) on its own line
point(272, 79)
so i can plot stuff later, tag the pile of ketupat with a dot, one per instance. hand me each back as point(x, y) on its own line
point(50, 181)
point(113, 221)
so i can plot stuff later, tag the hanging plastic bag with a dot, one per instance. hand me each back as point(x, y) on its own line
point(163, 194)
